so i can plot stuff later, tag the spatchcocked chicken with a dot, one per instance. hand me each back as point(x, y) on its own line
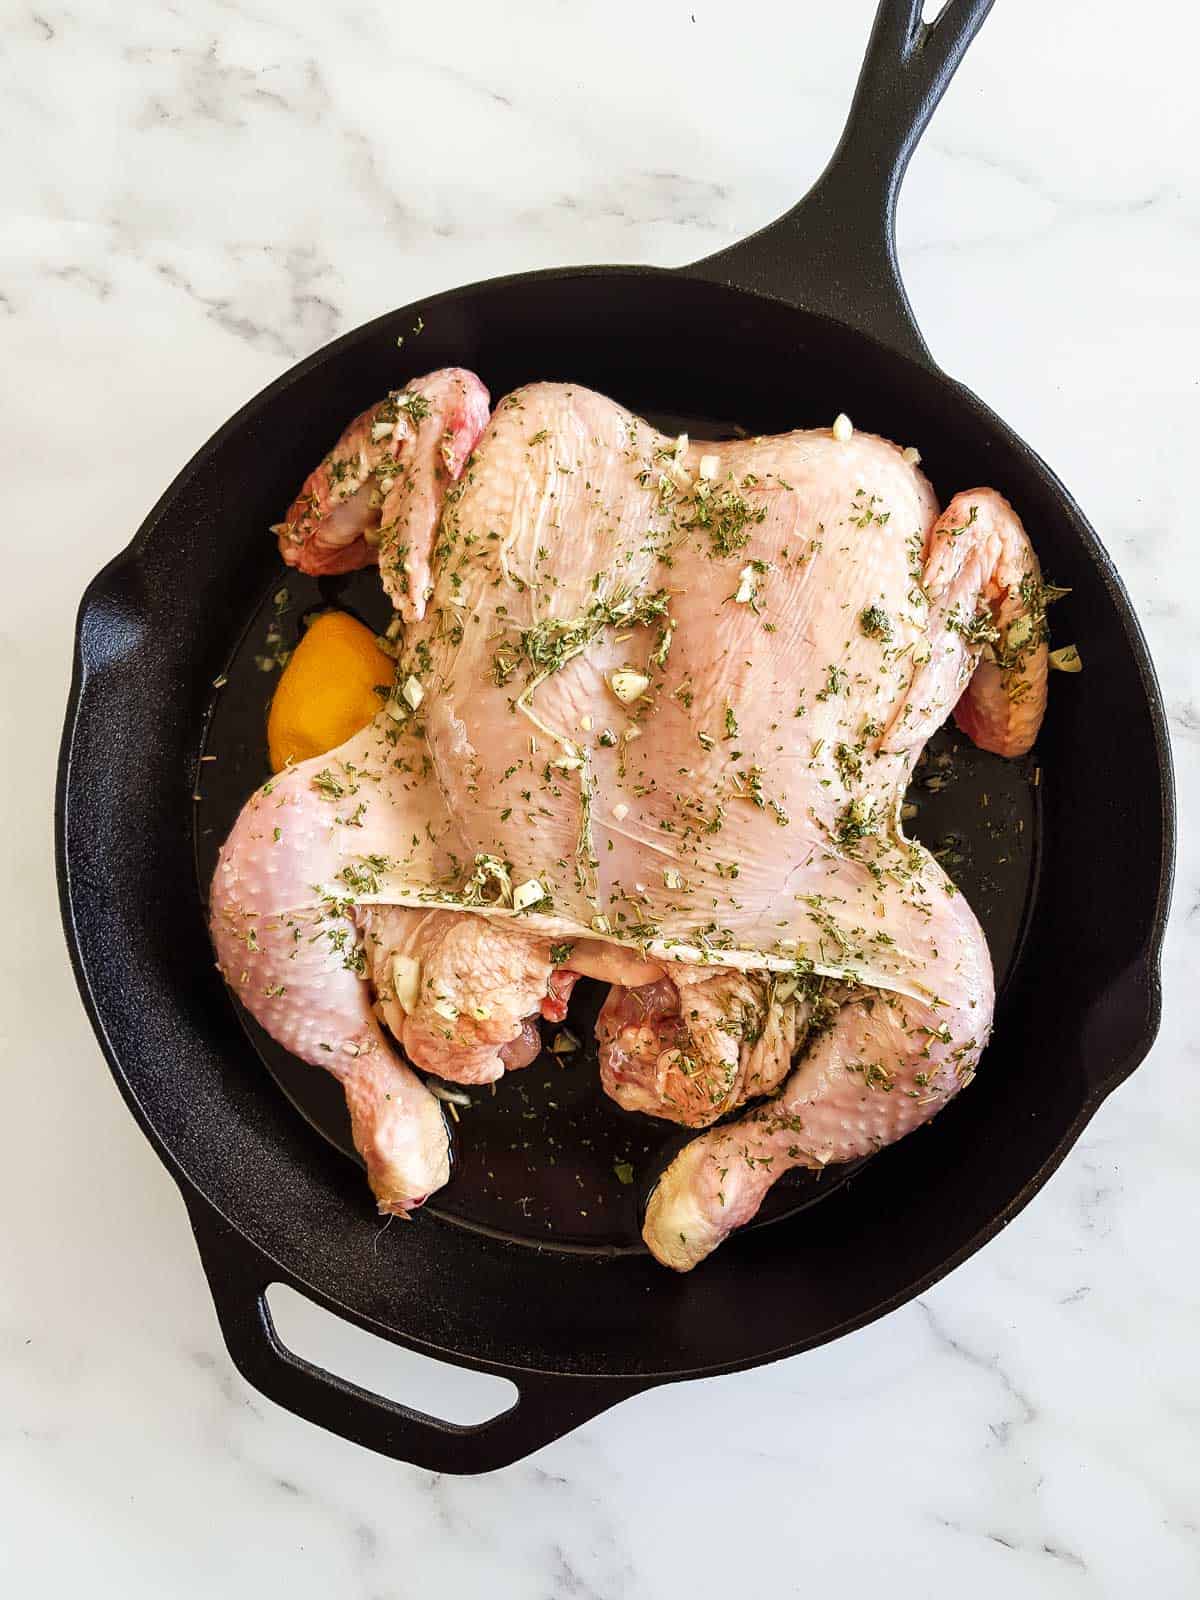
point(655, 709)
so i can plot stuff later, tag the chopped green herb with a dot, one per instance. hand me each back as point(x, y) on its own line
point(856, 820)
point(875, 623)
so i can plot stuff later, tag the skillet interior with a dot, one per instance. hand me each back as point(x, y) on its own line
point(160, 624)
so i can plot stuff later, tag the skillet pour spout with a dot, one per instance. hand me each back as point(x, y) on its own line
point(806, 318)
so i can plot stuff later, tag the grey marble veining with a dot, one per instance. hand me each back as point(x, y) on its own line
point(196, 196)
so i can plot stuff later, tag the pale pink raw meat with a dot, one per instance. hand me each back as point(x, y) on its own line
point(654, 726)
point(377, 495)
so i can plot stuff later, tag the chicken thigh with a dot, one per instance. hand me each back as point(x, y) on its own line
point(655, 710)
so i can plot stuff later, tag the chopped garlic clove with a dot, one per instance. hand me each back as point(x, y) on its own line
point(381, 430)
point(843, 428)
point(446, 1009)
point(709, 467)
point(528, 894)
point(442, 1091)
point(406, 982)
point(628, 686)
point(679, 474)
point(911, 456)
point(586, 724)
point(747, 588)
point(1067, 659)
point(413, 692)
point(620, 811)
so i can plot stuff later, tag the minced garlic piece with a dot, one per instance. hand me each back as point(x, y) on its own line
point(628, 685)
point(406, 982)
point(528, 894)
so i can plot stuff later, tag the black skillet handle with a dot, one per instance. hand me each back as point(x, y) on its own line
point(548, 1405)
point(835, 252)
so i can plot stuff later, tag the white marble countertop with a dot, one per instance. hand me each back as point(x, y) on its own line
point(194, 197)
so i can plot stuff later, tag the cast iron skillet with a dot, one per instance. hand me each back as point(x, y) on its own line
point(805, 319)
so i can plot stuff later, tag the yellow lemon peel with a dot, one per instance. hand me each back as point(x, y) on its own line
point(328, 689)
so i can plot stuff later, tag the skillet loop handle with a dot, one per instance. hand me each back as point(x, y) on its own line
point(547, 1407)
point(835, 252)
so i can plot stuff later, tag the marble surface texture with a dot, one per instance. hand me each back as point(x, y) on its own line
point(197, 195)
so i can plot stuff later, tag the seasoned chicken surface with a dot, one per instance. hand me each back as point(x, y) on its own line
point(656, 707)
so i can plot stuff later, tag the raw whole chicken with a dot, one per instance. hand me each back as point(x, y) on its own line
point(656, 706)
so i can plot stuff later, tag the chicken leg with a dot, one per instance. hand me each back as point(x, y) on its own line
point(885, 1064)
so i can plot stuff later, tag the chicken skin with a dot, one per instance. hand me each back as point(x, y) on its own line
point(656, 707)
